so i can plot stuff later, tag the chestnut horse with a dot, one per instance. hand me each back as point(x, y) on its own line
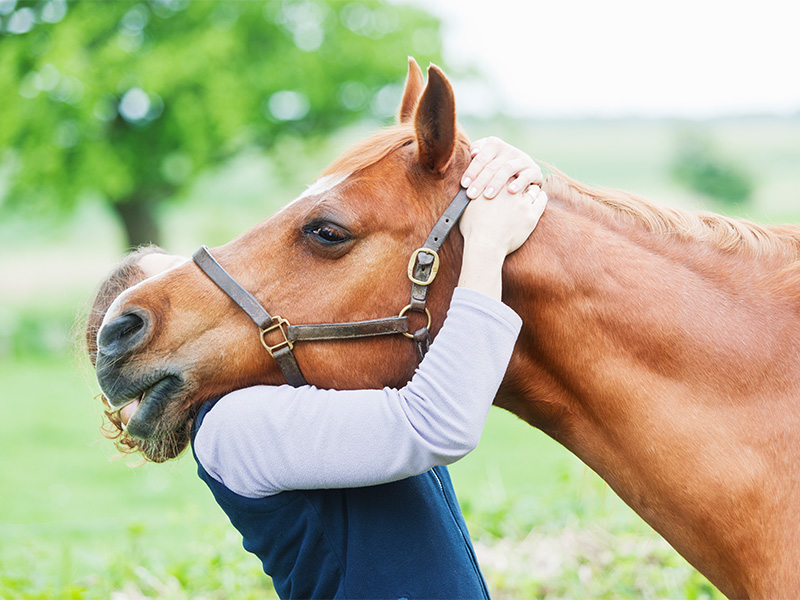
point(660, 347)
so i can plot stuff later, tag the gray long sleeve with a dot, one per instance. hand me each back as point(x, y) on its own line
point(262, 440)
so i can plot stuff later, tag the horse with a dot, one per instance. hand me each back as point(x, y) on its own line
point(659, 346)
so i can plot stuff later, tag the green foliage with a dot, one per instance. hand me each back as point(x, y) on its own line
point(702, 168)
point(129, 101)
point(35, 332)
point(592, 561)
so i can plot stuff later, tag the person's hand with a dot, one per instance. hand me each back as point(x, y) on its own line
point(497, 165)
point(502, 224)
point(493, 229)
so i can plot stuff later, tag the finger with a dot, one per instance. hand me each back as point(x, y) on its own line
point(476, 169)
point(489, 172)
point(487, 150)
point(477, 146)
point(538, 206)
point(506, 174)
point(525, 178)
point(495, 143)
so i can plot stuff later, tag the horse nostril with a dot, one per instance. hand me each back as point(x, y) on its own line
point(122, 335)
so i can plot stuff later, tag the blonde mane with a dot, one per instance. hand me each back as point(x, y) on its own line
point(724, 233)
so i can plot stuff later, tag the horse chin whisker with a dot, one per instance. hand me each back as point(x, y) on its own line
point(166, 445)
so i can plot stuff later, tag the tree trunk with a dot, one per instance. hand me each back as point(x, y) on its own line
point(139, 221)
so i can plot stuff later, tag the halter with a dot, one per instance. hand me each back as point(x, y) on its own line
point(422, 269)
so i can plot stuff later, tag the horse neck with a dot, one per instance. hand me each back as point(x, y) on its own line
point(658, 361)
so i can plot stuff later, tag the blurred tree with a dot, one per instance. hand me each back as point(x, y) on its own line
point(699, 166)
point(129, 100)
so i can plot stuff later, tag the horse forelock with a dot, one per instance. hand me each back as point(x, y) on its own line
point(724, 233)
point(371, 150)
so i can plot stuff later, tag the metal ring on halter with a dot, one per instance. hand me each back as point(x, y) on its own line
point(402, 314)
point(280, 324)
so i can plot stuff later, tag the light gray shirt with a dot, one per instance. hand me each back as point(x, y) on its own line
point(263, 440)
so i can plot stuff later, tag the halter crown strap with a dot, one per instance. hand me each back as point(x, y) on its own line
point(424, 265)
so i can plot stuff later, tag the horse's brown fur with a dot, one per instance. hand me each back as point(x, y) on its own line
point(658, 350)
point(660, 347)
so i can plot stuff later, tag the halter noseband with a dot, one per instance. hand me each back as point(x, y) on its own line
point(422, 269)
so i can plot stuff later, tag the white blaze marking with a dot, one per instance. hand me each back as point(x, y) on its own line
point(320, 186)
point(323, 184)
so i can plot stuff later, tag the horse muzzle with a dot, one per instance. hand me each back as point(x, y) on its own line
point(146, 398)
point(123, 384)
point(125, 334)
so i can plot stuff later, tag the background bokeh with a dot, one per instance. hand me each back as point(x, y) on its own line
point(188, 122)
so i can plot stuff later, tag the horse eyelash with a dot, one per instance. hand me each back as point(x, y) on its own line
point(315, 226)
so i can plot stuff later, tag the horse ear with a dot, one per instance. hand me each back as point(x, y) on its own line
point(435, 122)
point(412, 92)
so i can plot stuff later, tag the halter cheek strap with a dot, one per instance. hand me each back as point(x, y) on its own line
point(424, 265)
point(282, 350)
point(422, 269)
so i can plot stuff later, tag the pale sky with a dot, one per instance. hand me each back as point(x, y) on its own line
point(686, 58)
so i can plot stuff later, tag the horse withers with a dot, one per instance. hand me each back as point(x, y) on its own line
point(661, 347)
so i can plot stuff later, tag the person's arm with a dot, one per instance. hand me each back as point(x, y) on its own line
point(263, 440)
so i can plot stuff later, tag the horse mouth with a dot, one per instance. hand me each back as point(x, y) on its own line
point(142, 413)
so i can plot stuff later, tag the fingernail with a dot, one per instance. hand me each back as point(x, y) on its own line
point(489, 192)
point(512, 187)
point(465, 182)
point(472, 192)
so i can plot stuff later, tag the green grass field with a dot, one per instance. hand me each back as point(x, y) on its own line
point(74, 523)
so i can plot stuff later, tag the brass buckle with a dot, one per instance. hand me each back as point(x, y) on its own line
point(413, 263)
point(405, 310)
point(278, 323)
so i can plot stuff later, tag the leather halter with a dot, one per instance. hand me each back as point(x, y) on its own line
point(422, 269)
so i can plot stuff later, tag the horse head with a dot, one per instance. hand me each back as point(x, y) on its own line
point(337, 253)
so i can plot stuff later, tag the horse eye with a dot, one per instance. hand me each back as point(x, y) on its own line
point(328, 234)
